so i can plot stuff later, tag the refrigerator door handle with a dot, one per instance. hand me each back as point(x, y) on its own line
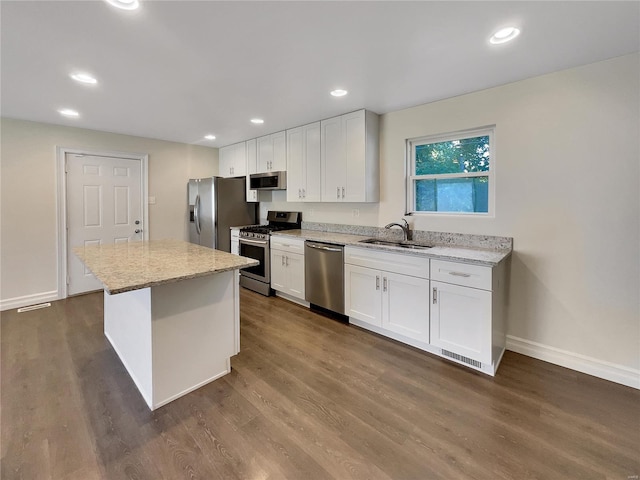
point(196, 214)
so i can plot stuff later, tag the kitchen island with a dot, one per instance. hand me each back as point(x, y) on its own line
point(171, 312)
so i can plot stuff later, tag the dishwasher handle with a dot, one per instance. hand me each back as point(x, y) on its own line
point(324, 247)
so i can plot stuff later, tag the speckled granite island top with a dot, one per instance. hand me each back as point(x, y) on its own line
point(477, 256)
point(130, 266)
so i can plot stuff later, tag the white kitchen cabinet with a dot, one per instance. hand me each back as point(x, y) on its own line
point(451, 309)
point(272, 153)
point(287, 266)
point(461, 321)
point(461, 310)
point(252, 158)
point(382, 291)
point(235, 241)
point(232, 160)
point(350, 158)
point(303, 164)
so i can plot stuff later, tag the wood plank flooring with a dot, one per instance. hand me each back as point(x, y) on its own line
point(308, 398)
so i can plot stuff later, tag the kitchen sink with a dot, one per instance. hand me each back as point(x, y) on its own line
point(387, 243)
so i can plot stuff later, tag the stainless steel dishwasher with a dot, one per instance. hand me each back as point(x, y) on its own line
point(324, 275)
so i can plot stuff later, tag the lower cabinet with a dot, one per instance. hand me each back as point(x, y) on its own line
point(235, 241)
point(461, 320)
point(287, 266)
point(393, 297)
point(451, 309)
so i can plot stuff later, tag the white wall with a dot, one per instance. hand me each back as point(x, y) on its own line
point(567, 178)
point(28, 237)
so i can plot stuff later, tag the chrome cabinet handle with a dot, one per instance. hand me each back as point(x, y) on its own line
point(286, 261)
point(282, 258)
point(337, 192)
point(299, 193)
point(384, 284)
point(377, 282)
point(435, 295)
point(460, 274)
point(304, 193)
point(342, 192)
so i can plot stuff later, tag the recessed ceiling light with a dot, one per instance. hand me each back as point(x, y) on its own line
point(210, 137)
point(257, 121)
point(504, 35)
point(124, 4)
point(67, 112)
point(84, 78)
point(339, 93)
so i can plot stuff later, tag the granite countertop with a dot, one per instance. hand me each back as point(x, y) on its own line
point(130, 266)
point(477, 256)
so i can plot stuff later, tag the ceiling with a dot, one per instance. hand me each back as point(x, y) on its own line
point(178, 70)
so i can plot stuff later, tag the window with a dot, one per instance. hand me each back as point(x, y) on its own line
point(451, 173)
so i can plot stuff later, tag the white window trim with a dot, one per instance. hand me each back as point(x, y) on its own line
point(411, 144)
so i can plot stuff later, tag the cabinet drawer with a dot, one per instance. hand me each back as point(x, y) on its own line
point(388, 262)
point(475, 276)
point(287, 244)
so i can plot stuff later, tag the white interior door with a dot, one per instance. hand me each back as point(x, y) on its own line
point(104, 205)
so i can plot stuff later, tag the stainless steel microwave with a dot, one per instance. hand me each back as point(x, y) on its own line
point(268, 181)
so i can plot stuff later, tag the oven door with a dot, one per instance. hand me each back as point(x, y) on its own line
point(258, 250)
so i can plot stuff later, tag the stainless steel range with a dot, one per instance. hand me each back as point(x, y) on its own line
point(254, 243)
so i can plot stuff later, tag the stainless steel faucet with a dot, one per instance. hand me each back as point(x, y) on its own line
point(408, 234)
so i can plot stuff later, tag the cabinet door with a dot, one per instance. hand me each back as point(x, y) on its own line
point(333, 156)
point(279, 161)
point(295, 164)
point(239, 159)
point(312, 181)
point(363, 295)
point(252, 154)
point(225, 160)
point(461, 320)
point(294, 264)
point(405, 305)
point(265, 154)
point(278, 271)
point(355, 176)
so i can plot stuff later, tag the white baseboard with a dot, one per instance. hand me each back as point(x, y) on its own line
point(575, 361)
point(27, 300)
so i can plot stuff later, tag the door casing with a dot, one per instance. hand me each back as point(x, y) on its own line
point(61, 201)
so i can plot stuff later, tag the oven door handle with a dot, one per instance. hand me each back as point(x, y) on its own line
point(259, 242)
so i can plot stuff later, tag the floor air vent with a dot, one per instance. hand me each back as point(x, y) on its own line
point(34, 307)
point(460, 358)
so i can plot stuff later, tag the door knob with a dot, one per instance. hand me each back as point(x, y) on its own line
point(137, 230)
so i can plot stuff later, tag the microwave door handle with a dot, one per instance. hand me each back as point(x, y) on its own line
point(196, 214)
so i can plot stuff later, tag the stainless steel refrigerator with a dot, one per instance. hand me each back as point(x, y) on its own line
point(215, 205)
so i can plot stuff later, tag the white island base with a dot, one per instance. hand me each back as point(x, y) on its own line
point(175, 337)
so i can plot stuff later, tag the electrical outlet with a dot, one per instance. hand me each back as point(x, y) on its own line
point(356, 212)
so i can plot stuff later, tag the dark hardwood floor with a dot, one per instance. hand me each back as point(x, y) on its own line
point(308, 398)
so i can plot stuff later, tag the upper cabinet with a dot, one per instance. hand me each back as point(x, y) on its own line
point(349, 158)
point(272, 153)
point(303, 164)
point(233, 160)
point(252, 158)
